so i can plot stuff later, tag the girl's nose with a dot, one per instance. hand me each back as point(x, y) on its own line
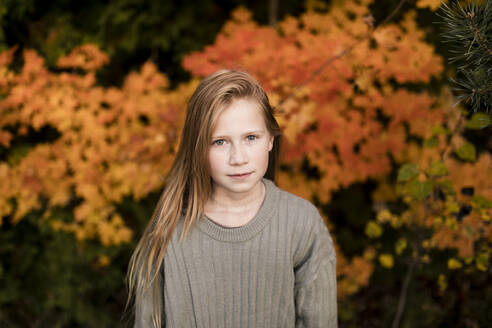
point(238, 155)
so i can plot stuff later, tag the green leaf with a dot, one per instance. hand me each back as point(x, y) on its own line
point(479, 121)
point(408, 171)
point(17, 153)
point(447, 187)
point(440, 130)
point(467, 152)
point(419, 189)
point(437, 169)
point(431, 142)
point(482, 202)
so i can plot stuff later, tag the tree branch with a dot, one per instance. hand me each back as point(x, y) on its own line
point(273, 12)
point(390, 16)
point(403, 295)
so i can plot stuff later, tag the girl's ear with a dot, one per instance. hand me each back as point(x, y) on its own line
point(270, 143)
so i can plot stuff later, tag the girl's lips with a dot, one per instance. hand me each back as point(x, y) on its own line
point(240, 176)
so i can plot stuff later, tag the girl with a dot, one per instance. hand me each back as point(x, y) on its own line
point(248, 254)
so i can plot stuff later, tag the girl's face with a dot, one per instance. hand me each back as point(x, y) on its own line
point(238, 154)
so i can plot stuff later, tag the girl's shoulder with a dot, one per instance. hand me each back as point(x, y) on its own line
point(301, 208)
point(306, 228)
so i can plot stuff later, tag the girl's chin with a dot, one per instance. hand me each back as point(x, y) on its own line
point(237, 185)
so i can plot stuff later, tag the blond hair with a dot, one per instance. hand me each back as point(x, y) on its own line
point(188, 184)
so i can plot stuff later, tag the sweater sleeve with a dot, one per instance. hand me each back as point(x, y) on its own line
point(315, 279)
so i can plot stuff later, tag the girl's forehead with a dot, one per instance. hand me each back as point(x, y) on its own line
point(240, 113)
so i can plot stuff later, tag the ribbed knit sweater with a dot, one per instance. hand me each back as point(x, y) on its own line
point(278, 270)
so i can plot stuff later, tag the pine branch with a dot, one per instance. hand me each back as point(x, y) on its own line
point(469, 30)
point(476, 30)
point(474, 88)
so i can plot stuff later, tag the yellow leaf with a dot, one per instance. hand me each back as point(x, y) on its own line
point(454, 264)
point(369, 254)
point(400, 246)
point(384, 216)
point(482, 261)
point(395, 221)
point(373, 229)
point(437, 222)
point(386, 260)
point(484, 216)
point(451, 223)
point(442, 282)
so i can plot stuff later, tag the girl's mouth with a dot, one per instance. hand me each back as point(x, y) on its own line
point(240, 176)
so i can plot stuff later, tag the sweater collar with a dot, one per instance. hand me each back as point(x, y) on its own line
point(250, 229)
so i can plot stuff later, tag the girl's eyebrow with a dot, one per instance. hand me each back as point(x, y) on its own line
point(244, 134)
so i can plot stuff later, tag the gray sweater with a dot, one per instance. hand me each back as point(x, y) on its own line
point(278, 270)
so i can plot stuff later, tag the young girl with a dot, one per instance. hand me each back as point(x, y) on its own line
point(248, 254)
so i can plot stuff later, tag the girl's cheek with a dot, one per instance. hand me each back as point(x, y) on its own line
point(265, 145)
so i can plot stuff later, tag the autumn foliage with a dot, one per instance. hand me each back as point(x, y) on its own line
point(110, 142)
point(358, 118)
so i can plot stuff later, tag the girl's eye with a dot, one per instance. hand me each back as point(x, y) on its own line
point(252, 137)
point(219, 142)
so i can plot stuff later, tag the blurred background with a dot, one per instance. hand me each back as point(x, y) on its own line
point(385, 111)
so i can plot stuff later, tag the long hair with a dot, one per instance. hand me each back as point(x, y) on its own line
point(188, 184)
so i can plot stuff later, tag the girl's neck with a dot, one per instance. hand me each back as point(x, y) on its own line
point(222, 202)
